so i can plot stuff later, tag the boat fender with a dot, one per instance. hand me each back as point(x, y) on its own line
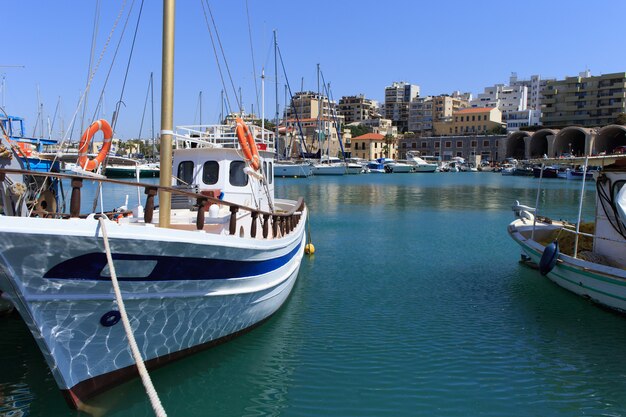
point(549, 258)
point(83, 148)
point(110, 318)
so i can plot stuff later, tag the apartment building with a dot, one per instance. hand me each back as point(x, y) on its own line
point(470, 121)
point(584, 100)
point(357, 108)
point(309, 105)
point(506, 98)
point(398, 97)
point(424, 111)
point(535, 86)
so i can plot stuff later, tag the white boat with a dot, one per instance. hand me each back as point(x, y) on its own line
point(507, 169)
point(215, 261)
point(588, 259)
point(578, 174)
point(329, 166)
point(292, 169)
point(376, 167)
point(419, 164)
point(396, 167)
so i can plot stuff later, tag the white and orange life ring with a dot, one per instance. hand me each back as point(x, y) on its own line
point(248, 145)
point(83, 148)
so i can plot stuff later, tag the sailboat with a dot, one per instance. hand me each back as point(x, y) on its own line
point(217, 257)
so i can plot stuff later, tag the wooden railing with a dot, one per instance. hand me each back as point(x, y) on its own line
point(283, 221)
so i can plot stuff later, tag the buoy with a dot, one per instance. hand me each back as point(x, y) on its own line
point(309, 249)
point(549, 258)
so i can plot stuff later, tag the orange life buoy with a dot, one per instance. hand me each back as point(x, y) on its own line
point(83, 160)
point(248, 145)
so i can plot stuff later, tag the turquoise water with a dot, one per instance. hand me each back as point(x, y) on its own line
point(414, 304)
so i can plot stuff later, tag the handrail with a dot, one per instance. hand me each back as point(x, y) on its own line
point(285, 220)
point(155, 186)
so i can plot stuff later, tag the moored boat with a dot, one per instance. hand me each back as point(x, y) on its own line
point(292, 169)
point(419, 164)
point(588, 259)
point(214, 260)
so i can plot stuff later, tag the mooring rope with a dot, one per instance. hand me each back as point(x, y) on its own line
point(141, 367)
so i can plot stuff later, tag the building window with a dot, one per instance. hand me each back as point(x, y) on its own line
point(436, 145)
point(414, 145)
point(473, 118)
point(424, 144)
point(485, 143)
point(459, 154)
point(403, 145)
point(448, 144)
point(479, 117)
point(474, 143)
point(459, 144)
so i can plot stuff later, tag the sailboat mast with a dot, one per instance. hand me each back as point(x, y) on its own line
point(167, 111)
point(276, 94)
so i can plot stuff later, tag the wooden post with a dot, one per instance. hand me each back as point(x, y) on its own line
point(149, 210)
point(266, 221)
point(254, 216)
point(201, 210)
point(274, 225)
point(233, 219)
point(77, 184)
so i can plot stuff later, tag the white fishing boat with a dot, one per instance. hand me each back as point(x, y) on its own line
point(588, 259)
point(291, 169)
point(213, 261)
point(419, 164)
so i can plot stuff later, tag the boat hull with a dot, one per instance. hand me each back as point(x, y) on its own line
point(182, 293)
point(292, 170)
point(324, 169)
point(602, 284)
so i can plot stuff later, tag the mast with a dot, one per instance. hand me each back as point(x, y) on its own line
point(167, 111)
point(276, 95)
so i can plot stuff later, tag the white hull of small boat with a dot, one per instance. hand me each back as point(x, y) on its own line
point(183, 289)
point(602, 284)
point(293, 170)
point(329, 169)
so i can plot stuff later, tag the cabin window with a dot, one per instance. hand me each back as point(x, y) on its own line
point(238, 178)
point(210, 172)
point(265, 172)
point(185, 173)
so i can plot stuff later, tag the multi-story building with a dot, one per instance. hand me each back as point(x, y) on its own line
point(309, 105)
point(535, 86)
point(424, 111)
point(470, 121)
point(372, 146)
point(506, 98)
point(398, 97)
point(584, 100)
point(357, 108)
point(523, 118)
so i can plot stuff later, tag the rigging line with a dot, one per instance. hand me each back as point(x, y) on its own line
point(219, 41)
point(145, 104)
point(217, 60)
point(333, 114)
point(96, 19)
point(130, 57)
point(106, 81)
point(104, 48)
point(295, 111)
point(256, 88)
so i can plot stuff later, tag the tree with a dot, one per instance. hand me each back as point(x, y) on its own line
point(389, 140)
point(359, 130)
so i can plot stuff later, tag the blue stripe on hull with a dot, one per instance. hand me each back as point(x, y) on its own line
point(166, 268)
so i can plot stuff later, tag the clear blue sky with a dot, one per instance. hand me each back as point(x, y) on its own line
point(362, 47)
